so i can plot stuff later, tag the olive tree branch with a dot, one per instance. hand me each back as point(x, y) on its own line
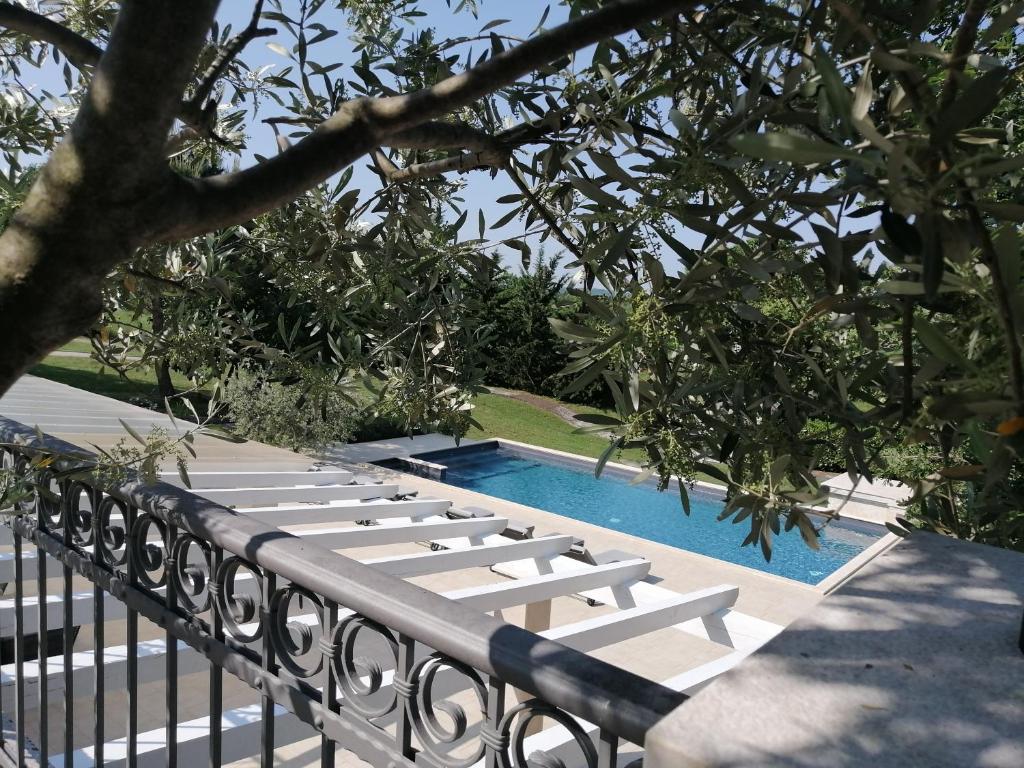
point(88, 208)
point(76, 225)
point(194, 206)
point(383, 164)
point(543, 212)
point(486, 151)
point(439, 135)
point(83, 53)
point(466, 161)
point(223, 59)
point(963, 44)
point(179, 284)
point(79, 50)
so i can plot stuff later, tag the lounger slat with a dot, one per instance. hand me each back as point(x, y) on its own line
point(616, 627)
point(246, 479)
point(320, 493)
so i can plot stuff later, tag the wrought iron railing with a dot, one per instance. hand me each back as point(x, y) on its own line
point(285, 617)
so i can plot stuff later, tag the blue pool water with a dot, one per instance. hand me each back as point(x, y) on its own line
point(642, 510)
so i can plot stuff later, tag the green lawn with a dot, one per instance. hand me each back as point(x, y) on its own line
point(515, 420)
point(122, 318)
point(85, 373)
point(78, 345)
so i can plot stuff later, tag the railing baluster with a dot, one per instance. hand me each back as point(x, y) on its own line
point(132, 638)
point(329, 697)
point(267, 726)
point(3, 730)
point(607, 750)
point(171, 673)
point(69, 631)
point(495, 711)
point(406, 660)
point(7, 459)
point(98, 631)
point(266, 729)
point(42, 649)
point(216, 673)
point(19, 653)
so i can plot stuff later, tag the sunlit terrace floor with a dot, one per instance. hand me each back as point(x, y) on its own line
point(83, 418)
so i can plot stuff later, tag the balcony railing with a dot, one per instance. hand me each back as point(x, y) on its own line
point(443, 685)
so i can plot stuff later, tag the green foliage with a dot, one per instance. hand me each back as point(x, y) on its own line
point(524, 352)
point(13, 189)
point(804, 220)
point(782, 347)
point(298, 418)
point(136, 458)
point(141, 456)
point(521, 349)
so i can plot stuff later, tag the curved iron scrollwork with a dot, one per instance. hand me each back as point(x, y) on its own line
point(148, 555)
point(514, 729)
point(238, 597)
point(77, 502)
point(361, 676)
point(452, 743)
point(112, 540)
point(49, 501)
point(191, 575)
point(21, 466)
point(294, 638)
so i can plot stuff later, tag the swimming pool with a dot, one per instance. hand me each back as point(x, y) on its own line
point(569, 488)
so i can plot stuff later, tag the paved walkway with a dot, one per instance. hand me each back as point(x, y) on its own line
point(367, 453)
point(84, 418)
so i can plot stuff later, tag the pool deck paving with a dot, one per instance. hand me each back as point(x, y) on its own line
point(83, 418)
point(86, 419)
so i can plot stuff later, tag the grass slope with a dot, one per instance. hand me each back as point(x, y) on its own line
point(78, 345)
point(515, 420)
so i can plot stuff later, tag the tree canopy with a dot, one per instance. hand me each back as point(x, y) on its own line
point(804, 218)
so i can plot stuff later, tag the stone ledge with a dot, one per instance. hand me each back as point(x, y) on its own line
point(913, 662)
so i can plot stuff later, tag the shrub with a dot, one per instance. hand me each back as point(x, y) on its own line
point(300, 418)
point(372, 426)
point(906, 462)
point(523, 352)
